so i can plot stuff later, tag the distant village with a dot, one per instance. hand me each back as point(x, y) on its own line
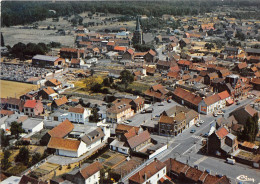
point(169, 114)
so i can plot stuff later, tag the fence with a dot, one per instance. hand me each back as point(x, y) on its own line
point(27, 171)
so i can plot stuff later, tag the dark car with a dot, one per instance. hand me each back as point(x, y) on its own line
point(206, 135)
point(193, 131)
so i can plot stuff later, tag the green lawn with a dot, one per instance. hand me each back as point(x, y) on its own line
point(139, 86)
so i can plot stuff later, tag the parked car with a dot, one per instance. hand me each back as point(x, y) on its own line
point(193, 131)
point(197, 125)
point(157, 116)
point(126, 122)
point(201, 121)
point(160, 104)
point(206, 135)
point(238, 103)
point(231, 161)
point(169, 101)
point(215, 114)
point(142, 112)
point(129, 120)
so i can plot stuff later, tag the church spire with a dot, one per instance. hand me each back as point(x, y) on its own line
point(137, 24)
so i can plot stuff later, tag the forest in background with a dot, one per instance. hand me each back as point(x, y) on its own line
point(21, 13)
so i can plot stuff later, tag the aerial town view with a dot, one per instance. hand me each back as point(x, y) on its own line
point(130, 92)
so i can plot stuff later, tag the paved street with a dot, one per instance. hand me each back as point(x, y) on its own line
point(185, 146)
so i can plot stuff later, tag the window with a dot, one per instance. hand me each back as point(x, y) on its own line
point(164, 171)
point(158, 175)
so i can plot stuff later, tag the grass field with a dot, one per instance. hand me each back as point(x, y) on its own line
point(15, 89)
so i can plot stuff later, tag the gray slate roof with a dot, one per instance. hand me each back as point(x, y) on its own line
point(45, 58)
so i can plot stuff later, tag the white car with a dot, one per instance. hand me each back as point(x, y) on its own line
point(197, 125)
point(201, 122)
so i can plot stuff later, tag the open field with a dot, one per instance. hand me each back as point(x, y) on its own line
point(15, 89)
point(13, 35)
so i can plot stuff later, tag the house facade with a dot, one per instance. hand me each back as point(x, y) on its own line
point(151, 173)
point(33, 108)
point(119, 112)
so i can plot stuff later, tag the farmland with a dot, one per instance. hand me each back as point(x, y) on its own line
point(15, 89)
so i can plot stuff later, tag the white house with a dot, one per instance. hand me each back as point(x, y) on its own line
point(32, 125)
point(78, 114)
point(95, 137)
point(224, 97)
point(67, 147)
point(152, 173)
point(209, 104)
point(88, 174)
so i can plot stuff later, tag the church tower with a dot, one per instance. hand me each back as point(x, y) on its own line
point(138, 34)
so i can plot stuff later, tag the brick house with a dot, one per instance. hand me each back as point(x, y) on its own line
point(53, 83)
point(156, 93)
point(33, 108)
point(151, 173)
point(222, 143)
point(179, 171)
point(187, 98)
point(150, 56)
point(86, 174)
point(48, 94)
point(59, 102)
point(119, 112)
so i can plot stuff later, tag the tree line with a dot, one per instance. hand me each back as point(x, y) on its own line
point(20, 13)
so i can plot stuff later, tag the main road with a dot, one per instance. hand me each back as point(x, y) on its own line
point(185, 147)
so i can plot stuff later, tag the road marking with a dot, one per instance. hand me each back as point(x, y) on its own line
point(245, 178)
point(188, 149)
point(200, 160)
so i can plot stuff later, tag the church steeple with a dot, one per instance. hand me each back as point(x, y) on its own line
point(138, 33)
point(138, 28)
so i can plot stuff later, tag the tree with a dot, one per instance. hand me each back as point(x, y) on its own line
point(23, 156)
point(209, 46)
point(94, 117)
point(126, 77)
point(250, 129)
point(2, 40)
point(92, 72)
point(4, 139)
point(108, 81)
point(16, 129)
point(96, 88)
point(36, 158)
point(5, 163)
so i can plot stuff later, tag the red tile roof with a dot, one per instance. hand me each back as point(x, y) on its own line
point(184, 62)
point(48, 90)
point(62, 129)
point(61, 101)
point(75, 61)
point(139, 139)
point(212, 99)
point(91, 169)
point(130, 51)
point(6, 112)
point(64, 144)
point(222, 132)
point(31, 103)
point(223, 95)
point(148, 171)
point(242, 65)
point(55, 82)
point(152, 52)
point(119, 48)
point(79, 110)
point(188, 96)
point(125, 128)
